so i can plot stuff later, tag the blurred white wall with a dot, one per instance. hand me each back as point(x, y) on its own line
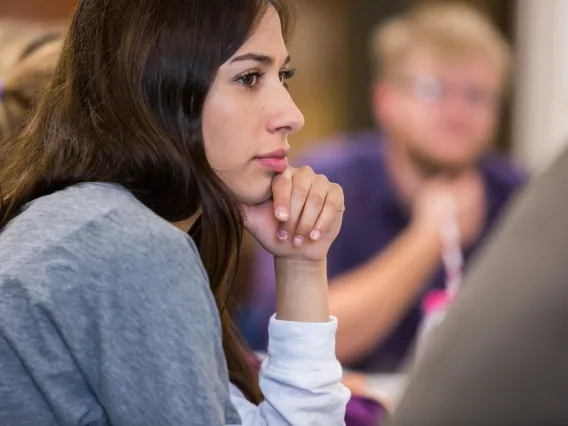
point(540, 120)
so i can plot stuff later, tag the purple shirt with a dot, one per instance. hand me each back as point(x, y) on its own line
point(374, 217)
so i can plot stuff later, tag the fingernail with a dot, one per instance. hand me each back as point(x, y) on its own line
point(315, 234)
point(281, 214)
point(282, 235)
point(298, 241)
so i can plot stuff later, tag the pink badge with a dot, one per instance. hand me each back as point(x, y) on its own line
point(435, 300)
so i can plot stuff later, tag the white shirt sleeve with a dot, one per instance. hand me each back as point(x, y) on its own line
point(300, 378)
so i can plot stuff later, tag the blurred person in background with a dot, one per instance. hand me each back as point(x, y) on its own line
point(441, 73)
point(22, 81)
point(17, 34)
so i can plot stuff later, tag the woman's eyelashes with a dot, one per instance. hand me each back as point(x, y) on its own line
point(286, 74)
point(251, 78)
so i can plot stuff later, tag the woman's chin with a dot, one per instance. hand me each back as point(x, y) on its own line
point(255, 197)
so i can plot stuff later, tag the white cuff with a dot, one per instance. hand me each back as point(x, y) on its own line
point(306, 341)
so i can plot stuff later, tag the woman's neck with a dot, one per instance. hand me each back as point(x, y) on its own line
point(187, 224)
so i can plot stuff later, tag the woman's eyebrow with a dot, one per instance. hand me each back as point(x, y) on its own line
point(258, 57)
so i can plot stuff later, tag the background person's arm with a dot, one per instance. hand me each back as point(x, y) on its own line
point(500, 356)
point(370, 301)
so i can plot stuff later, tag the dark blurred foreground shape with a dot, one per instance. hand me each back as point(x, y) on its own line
point(500, 356)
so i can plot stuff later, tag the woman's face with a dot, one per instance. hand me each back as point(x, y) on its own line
point(249, 113)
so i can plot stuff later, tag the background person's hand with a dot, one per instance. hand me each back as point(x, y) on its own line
point(464, 194)
point(470, 201)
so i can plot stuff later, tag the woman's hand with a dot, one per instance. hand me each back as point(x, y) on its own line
point(303, 217)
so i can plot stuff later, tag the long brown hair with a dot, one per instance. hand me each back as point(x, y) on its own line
point(125, 106)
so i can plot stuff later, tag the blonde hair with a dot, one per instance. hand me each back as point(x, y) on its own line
point(447, 30)
point(21, 83)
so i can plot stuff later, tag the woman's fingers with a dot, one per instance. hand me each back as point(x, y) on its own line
point(281, 195)
point(306, 204)
point(311, 210)
point(333, 206)
point(302, 180)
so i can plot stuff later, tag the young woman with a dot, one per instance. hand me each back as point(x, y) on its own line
point(123, 202)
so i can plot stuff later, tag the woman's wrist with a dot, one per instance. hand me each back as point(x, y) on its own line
point(301, 266)
point(301, 290)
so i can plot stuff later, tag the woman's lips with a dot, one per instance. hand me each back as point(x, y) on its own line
point(275, 164)
point(275, 161)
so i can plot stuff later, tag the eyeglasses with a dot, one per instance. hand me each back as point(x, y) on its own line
point(432, 89)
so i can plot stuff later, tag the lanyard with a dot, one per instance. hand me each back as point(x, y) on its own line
point(452, 256)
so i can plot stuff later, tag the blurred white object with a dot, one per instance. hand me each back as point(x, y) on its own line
point(435, 308)
point(540, 128)
point(387, 387)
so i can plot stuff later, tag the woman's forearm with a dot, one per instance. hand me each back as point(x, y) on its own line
point(301, 290)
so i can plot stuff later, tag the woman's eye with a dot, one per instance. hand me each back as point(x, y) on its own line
point(249, 80)
point(286, 75)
